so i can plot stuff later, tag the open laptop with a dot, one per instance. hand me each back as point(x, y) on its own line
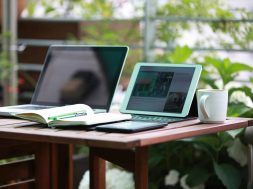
point(76, 74)
point(161, 92)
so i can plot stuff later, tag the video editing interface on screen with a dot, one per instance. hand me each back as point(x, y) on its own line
point(161, 89)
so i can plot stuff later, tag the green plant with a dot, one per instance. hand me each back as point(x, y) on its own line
point(206, 160)
point(4, 61)
point(4, 66)
point(239, 33)
point(227, 72)
point(203, 159)
point(218, 74)
point(84, 9)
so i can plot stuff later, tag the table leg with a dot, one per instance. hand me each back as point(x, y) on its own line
point(134, 160)
point(42, 165)
point(97, 170)
point(62, 166)
point(141, 168)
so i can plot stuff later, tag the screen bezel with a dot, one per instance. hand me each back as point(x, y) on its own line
point(189, 97)
point(124, 50)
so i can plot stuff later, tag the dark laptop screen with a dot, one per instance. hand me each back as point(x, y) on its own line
point(80, 74)
point(161, 89)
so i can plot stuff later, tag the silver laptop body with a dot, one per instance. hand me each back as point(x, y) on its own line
point(74, 74)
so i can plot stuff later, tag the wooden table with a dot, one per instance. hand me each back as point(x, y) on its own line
point(127, 150)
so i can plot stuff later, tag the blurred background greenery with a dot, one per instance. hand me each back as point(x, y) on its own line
point(213, 33)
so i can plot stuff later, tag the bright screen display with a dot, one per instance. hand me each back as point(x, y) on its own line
point(161, 89)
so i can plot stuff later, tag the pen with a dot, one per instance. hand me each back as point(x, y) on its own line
point(68, 115)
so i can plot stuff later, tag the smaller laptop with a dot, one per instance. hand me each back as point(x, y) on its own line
point(76, 74)
point(161, 92)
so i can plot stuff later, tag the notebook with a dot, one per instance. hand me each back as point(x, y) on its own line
point(161, 92)
point(76, 74)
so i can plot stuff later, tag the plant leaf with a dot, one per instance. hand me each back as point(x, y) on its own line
point(180, 54)
point(248, 113)
point(244, 89)
point(198, 175)
point(229, 175)
point(238, 110)
point(221, 66)
point(211, 140)
point(226, 69)
point(235, 132)
point(210, 82)
point(251, 80)
point(238, 67)
point(205, 77)
point(208, 144)
point(225, 138)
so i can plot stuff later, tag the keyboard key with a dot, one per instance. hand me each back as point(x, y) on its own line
point(155, 118)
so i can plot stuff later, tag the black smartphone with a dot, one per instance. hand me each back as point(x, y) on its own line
point(130, 126)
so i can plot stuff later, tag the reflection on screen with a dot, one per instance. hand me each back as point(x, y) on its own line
point(161, 89)
point(80, 75)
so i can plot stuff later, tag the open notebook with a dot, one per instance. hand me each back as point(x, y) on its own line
point(71, 115)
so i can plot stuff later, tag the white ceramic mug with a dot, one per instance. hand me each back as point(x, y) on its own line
point(212, 105)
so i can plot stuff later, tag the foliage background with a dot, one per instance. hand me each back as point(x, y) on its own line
point(213, 161)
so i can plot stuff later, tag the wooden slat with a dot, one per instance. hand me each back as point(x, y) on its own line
point(27, 184)
point(40, 169)
point(251, 122)
point(120, 141)
point(12, 121)
point(17, 150)
point(56, 137)
point(24, 170)
point(16, 122)
point(5, 142)
point(190, 131)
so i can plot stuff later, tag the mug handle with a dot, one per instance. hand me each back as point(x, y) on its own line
point(203, 106)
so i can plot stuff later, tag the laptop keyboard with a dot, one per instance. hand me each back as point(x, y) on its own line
point(39, 107)
point(33, 107)
point(157, 118)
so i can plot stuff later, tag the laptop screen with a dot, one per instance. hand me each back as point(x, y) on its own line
point(80, 74)
point(162, 89)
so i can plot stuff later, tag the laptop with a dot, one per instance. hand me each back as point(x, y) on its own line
point(161, 92)
point(74, 74)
